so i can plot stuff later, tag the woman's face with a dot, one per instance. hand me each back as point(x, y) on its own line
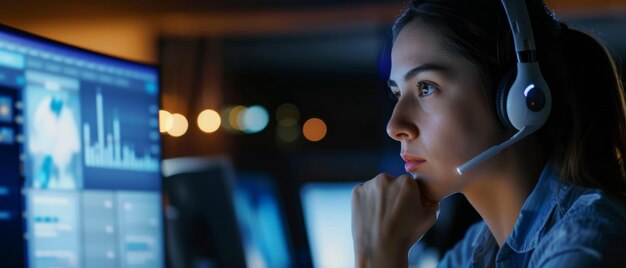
point(442, 117)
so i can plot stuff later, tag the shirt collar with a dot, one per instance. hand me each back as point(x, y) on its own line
point(484, 246)
point(536, 210)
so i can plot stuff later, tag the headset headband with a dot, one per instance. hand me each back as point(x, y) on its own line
point(522, 30)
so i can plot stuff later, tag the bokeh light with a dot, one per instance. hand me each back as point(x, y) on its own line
point(209, 121)
point(234, 115)
point(179, 126)
point(314, 129)
point(287, 134)
point(287, 115)
point(165, 121)
point(225, 120)
point(288, 122)
point(253, 119)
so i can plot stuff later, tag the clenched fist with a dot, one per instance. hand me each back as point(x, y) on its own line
point(388, 215)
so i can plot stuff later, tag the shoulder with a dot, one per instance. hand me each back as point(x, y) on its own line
point(590, 230)
point(461, 254)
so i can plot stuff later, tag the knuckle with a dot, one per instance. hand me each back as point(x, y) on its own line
point(380, 182)
point(356, 190)
point(383, 179)
point(405, 179)
point(407, 182)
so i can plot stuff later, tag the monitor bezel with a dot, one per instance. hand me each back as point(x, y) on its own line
point(93, 52)
point(19, 33)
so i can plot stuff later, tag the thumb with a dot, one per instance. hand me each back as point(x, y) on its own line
point(425, 197)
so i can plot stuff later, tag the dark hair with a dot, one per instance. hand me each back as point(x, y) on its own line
point(585, 136)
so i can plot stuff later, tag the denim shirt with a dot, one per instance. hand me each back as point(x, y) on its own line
point(559, 225)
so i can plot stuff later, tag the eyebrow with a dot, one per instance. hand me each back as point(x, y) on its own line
point(419, 69)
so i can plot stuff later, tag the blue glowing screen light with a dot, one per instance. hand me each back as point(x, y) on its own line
point(254, 119)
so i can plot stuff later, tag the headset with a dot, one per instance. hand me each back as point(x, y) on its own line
point(523, 101)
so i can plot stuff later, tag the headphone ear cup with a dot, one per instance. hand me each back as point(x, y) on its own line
point(502, 93)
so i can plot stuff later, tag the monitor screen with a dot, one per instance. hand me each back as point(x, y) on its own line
point(80, 148)
point(327, 217)
point(201, 225)
point(261, 221)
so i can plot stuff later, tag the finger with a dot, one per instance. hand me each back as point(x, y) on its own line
point(357, 202)
point(408, 187)
point(357, 215)
point(425, 197)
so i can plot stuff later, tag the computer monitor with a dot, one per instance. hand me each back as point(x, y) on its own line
point(327, 216)
point(261, 221)
point(202, 229)
point(80, 179)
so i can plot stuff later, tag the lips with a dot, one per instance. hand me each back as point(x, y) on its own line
point(412, 166)
point(412, 162)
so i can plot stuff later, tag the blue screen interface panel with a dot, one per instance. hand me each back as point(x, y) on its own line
point(80, 178)
point(261, 221)
point(327, 210)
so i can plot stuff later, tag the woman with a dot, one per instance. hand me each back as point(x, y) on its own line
point(554, 199)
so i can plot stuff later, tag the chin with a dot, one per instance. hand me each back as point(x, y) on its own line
point(436, 189)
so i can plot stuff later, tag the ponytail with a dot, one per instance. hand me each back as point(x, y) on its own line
point(587, 128)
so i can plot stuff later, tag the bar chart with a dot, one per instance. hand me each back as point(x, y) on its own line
point(109, 151)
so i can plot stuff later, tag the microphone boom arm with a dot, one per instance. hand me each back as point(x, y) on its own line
point(525, 131)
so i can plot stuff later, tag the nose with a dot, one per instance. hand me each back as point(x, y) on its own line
point(401, 125)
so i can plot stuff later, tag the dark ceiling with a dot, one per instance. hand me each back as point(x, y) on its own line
point(33, 9)
point(38, 8)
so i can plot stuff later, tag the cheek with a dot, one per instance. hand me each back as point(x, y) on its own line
point(457, 135)
point(453, 137)
point(472, 131)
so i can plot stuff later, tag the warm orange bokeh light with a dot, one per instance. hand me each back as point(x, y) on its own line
point(180, 125)
point(314, 129)
point(165, 121)
point(209, 121)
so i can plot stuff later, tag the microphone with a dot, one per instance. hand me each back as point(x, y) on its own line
point(525, 131)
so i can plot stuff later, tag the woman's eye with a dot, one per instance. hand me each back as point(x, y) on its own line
point(426, 88)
